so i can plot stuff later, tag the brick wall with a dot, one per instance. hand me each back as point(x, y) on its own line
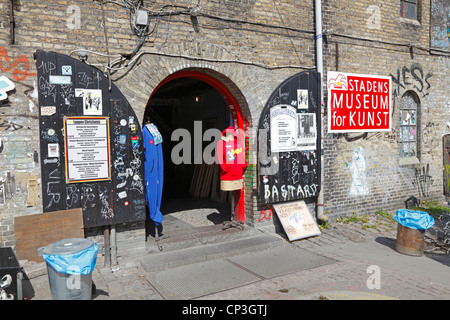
point(386, 179)
point(245, 56)
point(252, 46)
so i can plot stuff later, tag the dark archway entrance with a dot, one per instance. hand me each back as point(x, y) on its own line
point(193, 102)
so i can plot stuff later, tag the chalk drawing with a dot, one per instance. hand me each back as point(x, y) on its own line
point(357, 167)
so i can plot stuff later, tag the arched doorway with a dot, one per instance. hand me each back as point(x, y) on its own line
point(195, 101)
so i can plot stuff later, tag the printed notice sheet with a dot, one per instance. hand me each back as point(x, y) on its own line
point(87, 149)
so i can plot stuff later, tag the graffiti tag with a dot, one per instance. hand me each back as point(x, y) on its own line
point(20, 66)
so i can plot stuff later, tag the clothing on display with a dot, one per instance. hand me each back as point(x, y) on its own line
point(231, 156)
point(154, 171)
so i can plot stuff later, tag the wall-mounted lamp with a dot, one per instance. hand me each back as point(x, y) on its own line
point(328, 32)
point(195, 12)
point(82, 54)
point(197, 98)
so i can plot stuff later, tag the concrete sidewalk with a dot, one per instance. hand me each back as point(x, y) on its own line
point(345, 262)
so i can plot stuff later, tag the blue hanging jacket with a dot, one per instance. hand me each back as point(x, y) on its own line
point(154, 172)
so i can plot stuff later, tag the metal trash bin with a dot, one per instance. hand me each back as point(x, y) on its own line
point(411, 231)
point(70, 263)
point(410, 241)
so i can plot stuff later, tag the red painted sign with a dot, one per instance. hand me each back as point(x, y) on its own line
point(358, 103)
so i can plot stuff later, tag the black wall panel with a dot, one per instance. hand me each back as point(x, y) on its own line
point(120, 199)
point(291, 175)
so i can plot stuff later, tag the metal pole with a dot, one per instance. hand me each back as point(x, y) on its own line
point(113, 245)
point(107, 247)
point(318, 20)
point(19, 286)
point(319, 64)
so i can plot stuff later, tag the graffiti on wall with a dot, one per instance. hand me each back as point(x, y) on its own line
point(368, 175)
point(10, 125)
point(359, 184)
point(443, 67)
point(429, 134)
point(20, 67)
point(397, 176)
point(440, 24)
point(22, 179)
point(5, 86)
point(265, 214)
point(412, 77)
point(423, 180)
point(7, 186)
point(19, 182)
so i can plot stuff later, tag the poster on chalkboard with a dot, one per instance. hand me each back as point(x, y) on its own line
point(306, 132)
point(283, 128)
point(87, 149)
point(92, 101)
point(296, 220)
point(302, 98)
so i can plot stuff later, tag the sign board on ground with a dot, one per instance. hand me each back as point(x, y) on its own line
point(296, 220)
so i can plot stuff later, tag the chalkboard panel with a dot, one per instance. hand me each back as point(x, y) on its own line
point(294, 174)
point(63, 87)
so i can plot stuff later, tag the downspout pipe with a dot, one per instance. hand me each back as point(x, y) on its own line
point(12, 22)
point(319, 68)
point(319, 40)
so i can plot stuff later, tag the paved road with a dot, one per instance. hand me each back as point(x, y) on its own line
point(345, 262)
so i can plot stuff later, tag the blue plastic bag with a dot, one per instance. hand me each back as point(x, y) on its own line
point(414, 219)
point(82, 262)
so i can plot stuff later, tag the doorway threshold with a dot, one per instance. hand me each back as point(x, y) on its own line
point(191, 222)
point(197, 236)
point(189, 212)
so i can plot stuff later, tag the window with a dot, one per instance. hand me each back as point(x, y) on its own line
point(408, 125)
point(408, 9)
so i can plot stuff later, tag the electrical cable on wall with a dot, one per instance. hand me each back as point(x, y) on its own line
point(139, 22)
point(121, 59)
point(136, 12)
point(149, 21)
point(136, 8)
point(107, 46)
point(188, 10)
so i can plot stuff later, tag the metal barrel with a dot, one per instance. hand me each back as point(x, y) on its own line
point(410, 241)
